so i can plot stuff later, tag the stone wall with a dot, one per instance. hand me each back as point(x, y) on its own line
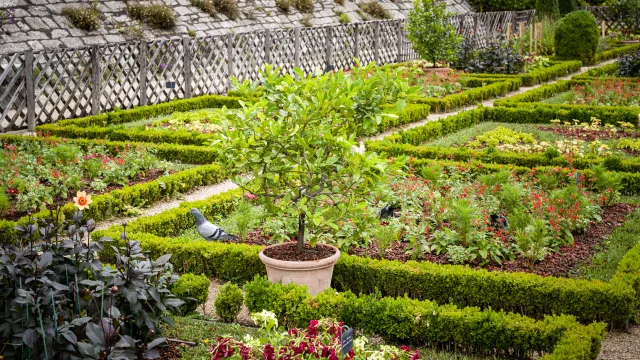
point(38, 24)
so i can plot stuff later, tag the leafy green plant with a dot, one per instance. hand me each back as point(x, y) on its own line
point(83, 17)
point(245, 218)
point(5, 204)
point(157, 16)
point(498, 58)
point(430, 32)
point(208, 6)
point(343, 18)
point(374, 9)
point(229, 302)
point(193, 290)
point(629, 65)
point(228, 7)
point(567, 6)
point(386, 234)
point(66, 304)
point(577, 36)
point(533, 240)
point(293, 171)
point(305, 6)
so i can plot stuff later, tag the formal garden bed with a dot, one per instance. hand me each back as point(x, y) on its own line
point(497, 232)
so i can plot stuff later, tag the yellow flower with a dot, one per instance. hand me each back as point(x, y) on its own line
point(82, 200)
point(206, 341)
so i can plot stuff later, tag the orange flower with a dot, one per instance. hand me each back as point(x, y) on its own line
point(82, 200)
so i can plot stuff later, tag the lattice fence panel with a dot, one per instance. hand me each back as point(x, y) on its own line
point(13, 109)
point(62, 84)
point(165, 64)
point(120, 77)
point(608, 14)
point(283, 49)
point(343, 46)
point(366, 42)
point(388, 42)
point(408, 53)
point(209, 65)
point(249, 55)
point(313, 49)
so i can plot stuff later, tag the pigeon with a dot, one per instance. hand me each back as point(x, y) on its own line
point(209, 231)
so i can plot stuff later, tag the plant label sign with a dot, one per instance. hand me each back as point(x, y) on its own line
point(171, 85)
point(346, 339)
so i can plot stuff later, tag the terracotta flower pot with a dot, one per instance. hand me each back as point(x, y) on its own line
point(315, 274)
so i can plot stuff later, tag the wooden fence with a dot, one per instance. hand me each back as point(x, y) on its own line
point(612, 20)
point(43, 86)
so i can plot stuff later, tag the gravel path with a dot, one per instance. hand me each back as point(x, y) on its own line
point(209, 310)
point(621, 345)
point(200, 193)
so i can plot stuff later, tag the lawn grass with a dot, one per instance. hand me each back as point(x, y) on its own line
point(561, 98)
point(605, 262)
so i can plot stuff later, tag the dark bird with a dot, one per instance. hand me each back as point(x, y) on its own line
point(209, 231)
point(499, 221)
point(387, 211)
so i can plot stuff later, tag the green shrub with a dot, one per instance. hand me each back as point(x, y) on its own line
point(157, 16)
point(5, 203)
point(229, 302)
point(228, 8)
point(285, 5)
point(567, 6)
point(82, 17)
point(193, 290)
point(206, 6)
point(404, 320)
point(577, 37)
point(547, 8)
point(343, 18)
point(374, 9)
point(305, 6)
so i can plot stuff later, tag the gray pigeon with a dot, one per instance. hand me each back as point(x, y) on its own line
point(209, 231)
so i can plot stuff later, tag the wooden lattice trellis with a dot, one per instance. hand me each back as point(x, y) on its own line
point(609, 15)
point(49, 85)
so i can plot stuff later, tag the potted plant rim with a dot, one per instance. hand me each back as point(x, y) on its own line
point(294, 149)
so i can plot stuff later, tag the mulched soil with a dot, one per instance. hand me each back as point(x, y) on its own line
point(589, 135)
point(556, 264)
point(171, 351)
point(289, 252)
point(13, 214)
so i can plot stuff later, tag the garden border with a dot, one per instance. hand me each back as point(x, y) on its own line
point(108, 204)
point(614, 302)
point(427, 323)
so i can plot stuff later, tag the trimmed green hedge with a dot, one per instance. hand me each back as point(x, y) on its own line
point(186, 154)
point(193, 290)
point(557, 69)
point(411, 113)
point(471, 96)
point(616, 52)
point(149, 111)
point(529, 294)
point(542, 113)
point(425, 323)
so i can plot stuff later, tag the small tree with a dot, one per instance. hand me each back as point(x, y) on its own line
point(430, 32)
point(295, 144)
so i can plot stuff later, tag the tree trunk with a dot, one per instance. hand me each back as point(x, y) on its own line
point(300, 238)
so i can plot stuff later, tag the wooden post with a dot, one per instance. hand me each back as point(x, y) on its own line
point(96, 89)
point(30, 89)
point(267, 46)
point(508, 31)
point(296, 43)
point(604, 28)
point(143, 71)
point(521, 32)
point(328, 49)
point(539, 37)
point(356, 41)
point(229, 60)
point(532, 34)
point(399, 40)
point(376, 43)
point(186, 45)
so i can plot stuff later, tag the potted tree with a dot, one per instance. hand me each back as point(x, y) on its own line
point(294, 147)
point(431, 33)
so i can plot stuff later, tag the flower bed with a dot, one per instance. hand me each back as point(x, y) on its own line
point(35, 174)
point(601, 92)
